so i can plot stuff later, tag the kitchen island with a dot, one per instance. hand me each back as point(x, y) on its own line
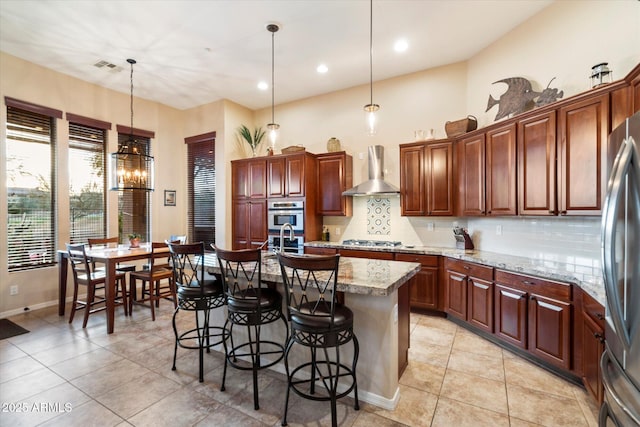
point(378, 294)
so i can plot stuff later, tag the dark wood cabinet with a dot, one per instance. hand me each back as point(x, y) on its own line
point(335, 175)
point(582, 154)
point(286, 175)
point(249, 179)
point(592, 346)
point(423, 292)
point(426, 179)
point(501, 188)
point(249, 223)
point(356, 253)
point(469, 293)
point(412, 182)
point(471, 175)
point(536, 315)
point(537, 165)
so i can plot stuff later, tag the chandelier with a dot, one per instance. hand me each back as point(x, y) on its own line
point(370, 109)
point(131, 168)
point(273, 126)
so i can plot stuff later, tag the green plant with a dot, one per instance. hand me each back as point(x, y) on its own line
point(134, 236)
point(253, 139)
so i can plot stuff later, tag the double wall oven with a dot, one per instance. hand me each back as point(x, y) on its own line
point(280, 213)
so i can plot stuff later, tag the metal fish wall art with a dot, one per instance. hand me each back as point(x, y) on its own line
point(520, 97)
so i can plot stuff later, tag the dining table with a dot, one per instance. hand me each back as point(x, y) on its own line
point(110, 257)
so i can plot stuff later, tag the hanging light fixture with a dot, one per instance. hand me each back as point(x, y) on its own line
point(273, 126)
point(370, 109)
point(131, 168)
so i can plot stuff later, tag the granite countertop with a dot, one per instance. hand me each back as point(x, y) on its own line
point(355, 275)
point(546, 269)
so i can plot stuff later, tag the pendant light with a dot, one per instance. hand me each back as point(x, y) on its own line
point(273, 126)
point(131, 168)
point(370, 109)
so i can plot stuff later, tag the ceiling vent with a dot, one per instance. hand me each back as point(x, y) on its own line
point(108, 65)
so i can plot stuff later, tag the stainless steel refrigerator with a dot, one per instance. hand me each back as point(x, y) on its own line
point(620, 362)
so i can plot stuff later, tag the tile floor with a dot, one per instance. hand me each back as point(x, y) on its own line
point(62, 375)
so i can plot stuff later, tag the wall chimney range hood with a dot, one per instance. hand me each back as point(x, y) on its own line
point(375, 185)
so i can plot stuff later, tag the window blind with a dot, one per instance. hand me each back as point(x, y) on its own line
point(31, 188)
point(201, 189)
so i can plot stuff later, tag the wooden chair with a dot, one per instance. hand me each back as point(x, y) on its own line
point(319, 323)
point(83, 274)
point(250, 305)
point(157, 270)
point(197, 293)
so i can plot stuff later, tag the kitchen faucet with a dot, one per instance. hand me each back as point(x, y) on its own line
point(291, 234)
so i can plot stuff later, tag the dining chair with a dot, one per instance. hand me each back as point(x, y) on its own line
point(250, 305)
point(85, 275)
point(319, 323)
point(198, 293)
point(156, 271)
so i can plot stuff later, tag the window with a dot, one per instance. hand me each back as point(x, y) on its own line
point(31, 185)
point(202, 188)
point(134, 206)
point(87, 178)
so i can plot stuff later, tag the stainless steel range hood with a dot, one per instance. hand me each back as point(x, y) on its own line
point(376, 184)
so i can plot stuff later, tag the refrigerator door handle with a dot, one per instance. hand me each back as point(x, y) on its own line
point(611, 207)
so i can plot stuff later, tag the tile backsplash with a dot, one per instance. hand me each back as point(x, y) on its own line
point(574, 241)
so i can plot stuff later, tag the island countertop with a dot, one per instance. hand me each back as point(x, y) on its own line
point(355, 275)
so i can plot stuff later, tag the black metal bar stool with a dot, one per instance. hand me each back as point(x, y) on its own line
point(250, 304)
point(320, 323)
point(199, 294)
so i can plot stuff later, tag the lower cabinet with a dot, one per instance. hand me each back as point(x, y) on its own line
point(423, 291)
point(536, 315)
point(592, 346)
point(249, 223)
point(469, 293)
point(319, 251)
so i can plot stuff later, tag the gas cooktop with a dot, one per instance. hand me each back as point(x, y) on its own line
point(378, 243)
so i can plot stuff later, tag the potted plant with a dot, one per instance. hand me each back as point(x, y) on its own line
point(253, 139)
point(134, 239)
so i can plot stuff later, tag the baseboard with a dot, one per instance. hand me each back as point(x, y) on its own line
point(17, 311)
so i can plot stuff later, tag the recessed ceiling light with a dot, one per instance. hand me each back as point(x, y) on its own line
point(263, 85)
point(401, 45)
point(322, 68)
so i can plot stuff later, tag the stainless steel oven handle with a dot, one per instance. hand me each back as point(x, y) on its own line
point(610, 210)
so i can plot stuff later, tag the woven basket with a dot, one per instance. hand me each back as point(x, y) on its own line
point(460, 127)
point(292, 149)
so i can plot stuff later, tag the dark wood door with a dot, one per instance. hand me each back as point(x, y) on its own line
point(537, 165)
point(424, 286)
point(334, 177)
point(501, 171)
point(240, 226)
point(455, 301)
point(480, 303)
point(550, 330)
point(439, 173)
point(276, 176)
point(471, 173)
point(412, 180)
point(257, 223)
point(295, 176)
point(511, 315)
point(239, 179)
point(582, 152)
point(592, 349)
point(257, 179)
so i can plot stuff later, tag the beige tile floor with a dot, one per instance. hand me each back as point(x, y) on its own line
point(62, 375)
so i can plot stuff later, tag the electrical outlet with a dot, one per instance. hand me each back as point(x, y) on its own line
point(361, 156)
point(498, 230)
point(338, 231)
point(13, 290)
point(429, 226)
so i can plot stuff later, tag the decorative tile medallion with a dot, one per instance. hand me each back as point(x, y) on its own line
point(378, 216)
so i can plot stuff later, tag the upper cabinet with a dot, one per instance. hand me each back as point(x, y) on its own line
point(335, 175)
point(248, 178)
point(286, 174)
point(471, 175)
point(426, 179)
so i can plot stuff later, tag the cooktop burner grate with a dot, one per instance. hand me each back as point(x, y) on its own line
point(378, 243)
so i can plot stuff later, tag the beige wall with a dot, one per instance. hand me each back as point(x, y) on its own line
point(563, 41)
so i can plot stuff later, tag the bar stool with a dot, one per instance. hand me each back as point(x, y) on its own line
point(198, 294)
point(318, 322)
point(252, 305)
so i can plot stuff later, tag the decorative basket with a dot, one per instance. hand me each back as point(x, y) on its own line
point(460, 127)
point(292, 149)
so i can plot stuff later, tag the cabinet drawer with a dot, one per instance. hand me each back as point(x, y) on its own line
point(469, 269)
point(535, 285)
point(593, 309)
point(319, 251)
point(424, 260)
point(366, 254)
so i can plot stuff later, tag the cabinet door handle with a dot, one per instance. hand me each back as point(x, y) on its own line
point(532, 298)
point(599, 316)
point(489, 212)
point(526, 282)
point(552, 212)
point(466, 267)
point(563, 212)
point(599, 337)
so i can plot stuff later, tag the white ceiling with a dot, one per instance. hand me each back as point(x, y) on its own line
point(194, 52)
